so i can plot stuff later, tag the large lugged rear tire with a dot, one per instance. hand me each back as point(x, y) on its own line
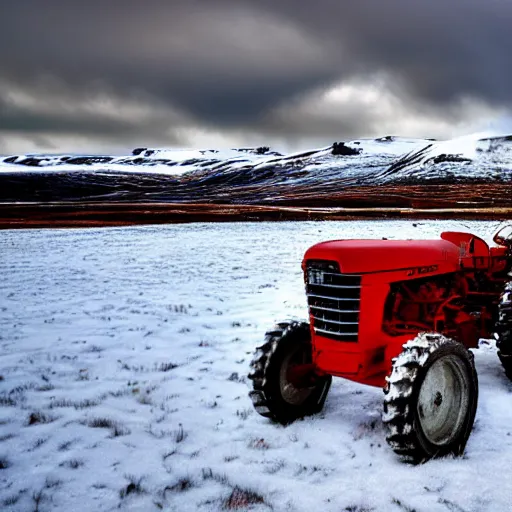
point(504, 329)
point(430, 399)
point(273, 395)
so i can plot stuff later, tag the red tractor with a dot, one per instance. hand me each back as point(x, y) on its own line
point(398, 314)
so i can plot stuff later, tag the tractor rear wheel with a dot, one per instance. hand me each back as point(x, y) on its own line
point(504, 329)
point(430, 399)
point(275, 393)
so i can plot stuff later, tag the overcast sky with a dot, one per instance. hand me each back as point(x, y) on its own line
point(107, 75)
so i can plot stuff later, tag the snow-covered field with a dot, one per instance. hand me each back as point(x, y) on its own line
point(123, 363)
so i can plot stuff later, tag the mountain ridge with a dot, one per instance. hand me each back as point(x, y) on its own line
point(389, 172)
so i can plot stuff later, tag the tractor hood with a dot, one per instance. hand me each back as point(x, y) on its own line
point(361, 256)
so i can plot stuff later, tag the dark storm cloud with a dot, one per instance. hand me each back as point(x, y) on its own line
point(439, 49)
point(220, 62)
point(51, 108)
point(13, 119)
point(231, 63)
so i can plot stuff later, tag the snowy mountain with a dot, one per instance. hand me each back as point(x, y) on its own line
point(329, 176)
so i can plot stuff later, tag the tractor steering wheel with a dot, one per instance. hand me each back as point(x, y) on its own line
point(504, 236)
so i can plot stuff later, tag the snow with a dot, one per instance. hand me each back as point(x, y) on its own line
point(177, 162)
point(380, 161)
point(465, 146)
point(396, 146)
point(174, 162)
point(123, 363)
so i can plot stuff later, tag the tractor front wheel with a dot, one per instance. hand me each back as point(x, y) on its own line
point(430, 399)
point(285, 385)
point(504, 329)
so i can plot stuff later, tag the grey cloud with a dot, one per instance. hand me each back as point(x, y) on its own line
point(43, 114)
point(229, 64)
point(19, 120)
point(222, 64)
point(35, 125)
point(440, 49)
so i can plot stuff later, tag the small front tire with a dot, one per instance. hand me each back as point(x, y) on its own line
point(274, 396)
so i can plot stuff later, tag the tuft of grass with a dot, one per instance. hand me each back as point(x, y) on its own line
point(77, 404)
point(119, 393)
point(208, 474)
point(168, 454)
point(83, 374)
point(37, 417)
point(52, 483)
point(242, 499)
point(8, 400)
point(258, 444)
point(38, 497)
point(165, 367)
point(65, 445)
point(244, 413)
point(6, 437)
point(403, 506)
point(179, 308)
point(275, 467)
point(134, 486)
point(158, 434)
point(45, 387)
point(22, 388)
point(450, 505)
point(72, 463)
point(38, 443)
point(60, 402)
point(157, 367)
point(94, 348)
point(85, 404)
point(182, 485)
point(11, 500)
point(100, 423)
point(180, 435)
point(116, 429)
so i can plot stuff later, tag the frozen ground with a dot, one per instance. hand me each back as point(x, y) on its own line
point(122, 381)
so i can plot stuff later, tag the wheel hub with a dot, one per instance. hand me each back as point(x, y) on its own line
point(292, 377)
point(443, 401)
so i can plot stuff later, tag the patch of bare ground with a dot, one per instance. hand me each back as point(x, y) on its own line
point(241, 499)
point(468, 201)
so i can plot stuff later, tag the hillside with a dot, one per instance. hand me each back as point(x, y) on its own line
point(390, 172)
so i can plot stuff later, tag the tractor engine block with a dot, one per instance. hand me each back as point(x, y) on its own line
point(432, 304)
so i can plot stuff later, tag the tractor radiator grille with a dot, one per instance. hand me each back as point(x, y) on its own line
point(333, 300)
